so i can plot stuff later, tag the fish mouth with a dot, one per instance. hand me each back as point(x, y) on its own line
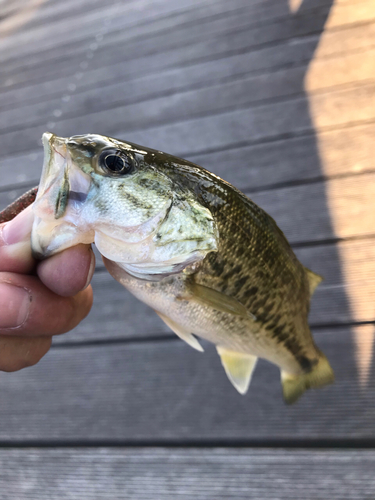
point(75, 184)
point(62, 193)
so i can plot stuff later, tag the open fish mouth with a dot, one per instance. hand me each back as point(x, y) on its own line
point(95, 190)
point(62, 192)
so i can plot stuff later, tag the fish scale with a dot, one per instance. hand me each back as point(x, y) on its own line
point(255, 245)
point(206, 258)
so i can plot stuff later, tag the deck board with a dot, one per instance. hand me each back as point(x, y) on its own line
point(353, 39)
point(165, 391)
point(144, 56)
point(166, 103)
point(258, 166)
point(193, 474)
point(189, 133)
point(281, 105)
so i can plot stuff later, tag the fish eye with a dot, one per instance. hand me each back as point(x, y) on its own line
point(115, 162)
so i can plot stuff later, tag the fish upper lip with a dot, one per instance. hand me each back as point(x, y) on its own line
point(59, 152)
point(59, 171)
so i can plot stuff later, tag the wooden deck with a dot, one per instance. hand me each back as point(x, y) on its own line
point(278, 99)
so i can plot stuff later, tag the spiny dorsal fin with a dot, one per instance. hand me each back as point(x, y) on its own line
point(314, 280)
point(238, 367)
point(181, 332)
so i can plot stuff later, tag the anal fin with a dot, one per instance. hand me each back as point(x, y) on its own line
point(239, 367)
point(181, 332)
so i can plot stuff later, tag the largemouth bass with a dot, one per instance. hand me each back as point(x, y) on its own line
point(191, 246)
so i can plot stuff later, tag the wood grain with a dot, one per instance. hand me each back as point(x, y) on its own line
point(142, 56)
point(186, 474)
point(165, 391)
point(282, 106)
point(193, 133)
point(169, 105)
point(125, 28)
point(357, 39)
point(344, 151)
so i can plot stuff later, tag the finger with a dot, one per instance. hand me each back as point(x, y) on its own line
point(19, 352)
point(15, 248)
point(29, 308)
point(68, 272)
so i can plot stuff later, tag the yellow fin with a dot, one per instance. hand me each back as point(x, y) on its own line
point(295, 385)
point(181, 332)
point(314, 280)
point(238, 367)
point(209, 297)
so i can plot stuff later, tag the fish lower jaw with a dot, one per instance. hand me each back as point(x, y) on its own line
point(51, 237)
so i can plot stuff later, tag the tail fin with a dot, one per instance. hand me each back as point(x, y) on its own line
point(295, 385)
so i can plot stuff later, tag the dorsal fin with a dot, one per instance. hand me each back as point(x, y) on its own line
point(239, 367)
point(314, 280)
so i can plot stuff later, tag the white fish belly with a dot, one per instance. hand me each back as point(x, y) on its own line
point(222, 329)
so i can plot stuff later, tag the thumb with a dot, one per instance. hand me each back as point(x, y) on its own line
point(15, 248)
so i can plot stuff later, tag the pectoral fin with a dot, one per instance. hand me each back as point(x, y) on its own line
point(209, 297)
point(239, 367)
point(181, 332)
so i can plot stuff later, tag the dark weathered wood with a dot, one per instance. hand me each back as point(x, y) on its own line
point(264, 121)
point(307, 21)
point(144, 55)
point(121, 15)
point(167, 391)
point(193, 133)
point(346, 151)
point(245, 89)
point(166, 108)
point(124, 17)
point(349, 202)
point(52, 11)
point(165, 105)
point(125, 27)
point(339, 43)
point(186, 474)
point(255, 166)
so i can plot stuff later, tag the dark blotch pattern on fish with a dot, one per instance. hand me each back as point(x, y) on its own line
point(254, 263)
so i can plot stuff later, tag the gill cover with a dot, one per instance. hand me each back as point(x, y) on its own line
point(141, 220)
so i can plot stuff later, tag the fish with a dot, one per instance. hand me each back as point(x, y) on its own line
point(209, 261)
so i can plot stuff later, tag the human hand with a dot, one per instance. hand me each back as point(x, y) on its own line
point(38, 299)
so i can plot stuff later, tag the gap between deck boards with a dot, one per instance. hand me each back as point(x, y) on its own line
point(360, 443)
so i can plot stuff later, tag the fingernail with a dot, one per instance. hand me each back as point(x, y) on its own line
point(14, 305)
point(19, 228)
point(91, 269)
